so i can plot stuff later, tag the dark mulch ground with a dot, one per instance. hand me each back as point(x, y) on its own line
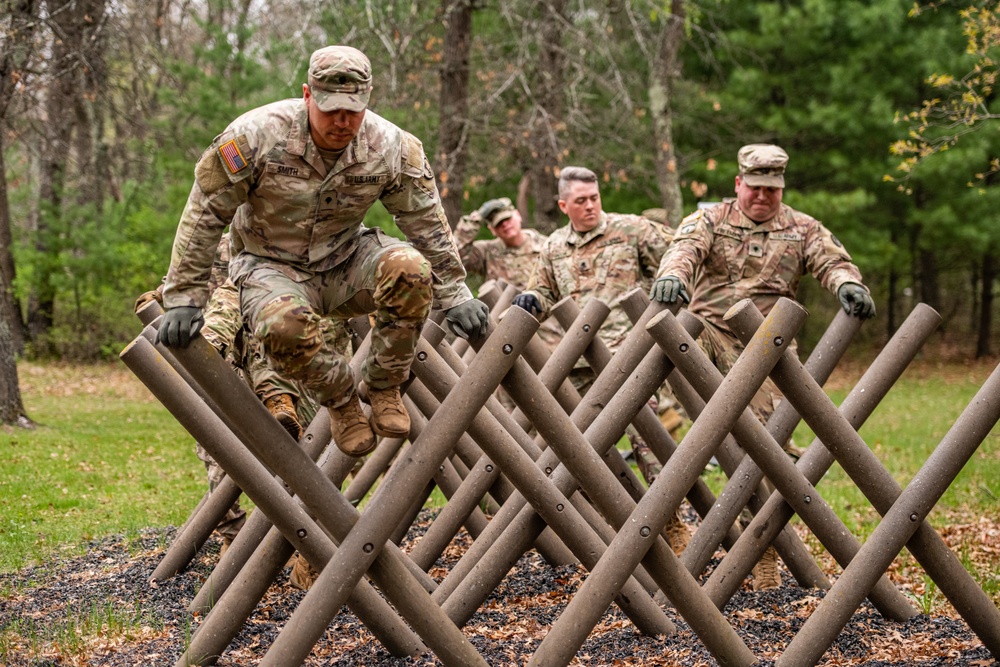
point(98, 609)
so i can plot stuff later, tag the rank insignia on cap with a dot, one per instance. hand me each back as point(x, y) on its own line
point(232, 156)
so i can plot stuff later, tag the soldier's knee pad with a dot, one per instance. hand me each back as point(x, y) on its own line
point(403, 282)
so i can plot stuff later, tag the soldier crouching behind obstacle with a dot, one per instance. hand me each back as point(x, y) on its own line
point(303, 173)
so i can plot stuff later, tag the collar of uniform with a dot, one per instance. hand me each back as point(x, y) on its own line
point(581, 238)
point(779, 221)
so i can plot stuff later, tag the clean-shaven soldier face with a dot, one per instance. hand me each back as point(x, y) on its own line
point(582, 205)
point(508, 230)
point(760, 203)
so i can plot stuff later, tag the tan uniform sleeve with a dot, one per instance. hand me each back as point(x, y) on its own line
point(216, 194)
point(413, 201)
point(828, 260)
point(542, 282)
point(689, 248)
point(653, 245)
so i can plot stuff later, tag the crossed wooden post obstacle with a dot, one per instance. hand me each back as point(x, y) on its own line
point(551, 477)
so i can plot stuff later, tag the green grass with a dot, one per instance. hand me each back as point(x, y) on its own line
point(107, 459)
point(104, 459)
point(903, 431)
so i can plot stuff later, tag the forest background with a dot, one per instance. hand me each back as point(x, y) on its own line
point(105, 105)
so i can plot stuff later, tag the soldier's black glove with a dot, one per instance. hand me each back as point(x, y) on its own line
point(468, 319)
point(667, 289)
point(856, 301)
point(529, 302)
point(179, 326)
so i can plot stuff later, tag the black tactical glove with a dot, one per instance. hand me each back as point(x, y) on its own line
point(179, 326)
point(856, 301)
point(468, 319)
point(529, 302)
point(667, 289)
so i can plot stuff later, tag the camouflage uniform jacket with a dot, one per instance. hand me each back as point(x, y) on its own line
point(298, 218)
point(721, 257)
point(492, 258)
point(620, 254)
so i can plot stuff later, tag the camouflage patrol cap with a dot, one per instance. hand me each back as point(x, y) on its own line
point(496, 211)
point(340, 77)
point(763, 165)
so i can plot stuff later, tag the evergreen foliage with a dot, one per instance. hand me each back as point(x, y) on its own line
point(829, 80)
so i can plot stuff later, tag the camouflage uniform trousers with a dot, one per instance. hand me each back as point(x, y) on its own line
point(383, 276)
point(724, 349)
point(224, 330)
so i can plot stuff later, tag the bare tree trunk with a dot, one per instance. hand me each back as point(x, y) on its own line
point(989, 270)
point(662, 74)
point(452, 155)
point(11, 406)
point(55, 152)
point(545, 126)
point(930, 292)
point(16, 48)
point(10, 308)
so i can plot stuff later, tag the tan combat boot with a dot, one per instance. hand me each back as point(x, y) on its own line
point(677, 534)
point(672, 421)
point(303, 575)
point(389, 417)
point(765, 573)
point(350, 428)
point(282, 407)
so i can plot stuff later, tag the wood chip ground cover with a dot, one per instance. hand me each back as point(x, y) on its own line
point(99, 609)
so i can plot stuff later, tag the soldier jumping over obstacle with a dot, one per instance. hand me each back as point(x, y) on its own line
point(305, 172)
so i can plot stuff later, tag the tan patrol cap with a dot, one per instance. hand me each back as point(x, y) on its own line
point(763, 165)
point(340, 77)
point(497, 210)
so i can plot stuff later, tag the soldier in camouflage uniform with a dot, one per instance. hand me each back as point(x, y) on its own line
point(305, 172)
point(224, 329)
point(759, 248)
point(599, 255)
point(510, 256)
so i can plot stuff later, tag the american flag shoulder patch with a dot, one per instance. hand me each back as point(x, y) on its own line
point(232, 156)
